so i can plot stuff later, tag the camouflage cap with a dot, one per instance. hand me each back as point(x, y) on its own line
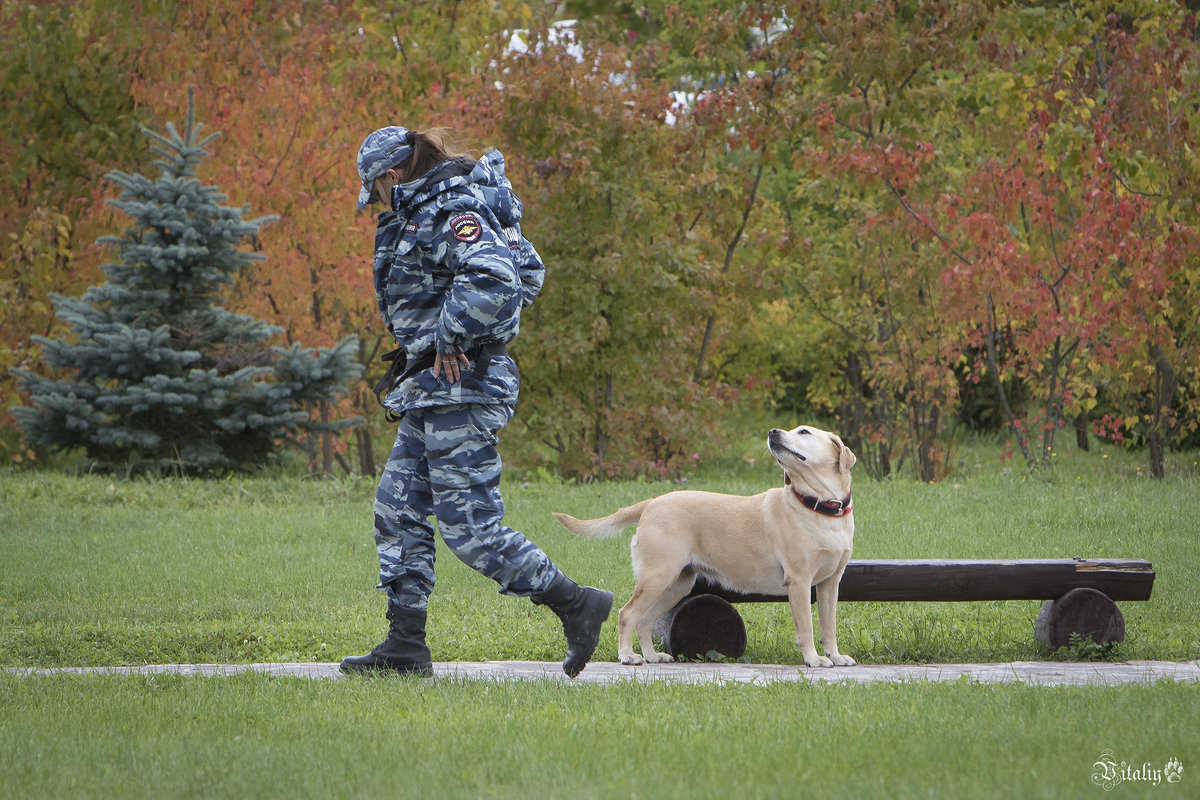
point(382, 150)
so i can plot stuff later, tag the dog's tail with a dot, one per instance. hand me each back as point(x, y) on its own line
point(604, 527)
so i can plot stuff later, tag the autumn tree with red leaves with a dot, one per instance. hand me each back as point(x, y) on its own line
point(912, 216)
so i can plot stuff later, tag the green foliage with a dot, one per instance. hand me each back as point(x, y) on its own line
point(1085, 648)
point(975, 196)
point(659, 249)
point(880, 211)
point(39, 256)
point(159, 375)
point(64, 73)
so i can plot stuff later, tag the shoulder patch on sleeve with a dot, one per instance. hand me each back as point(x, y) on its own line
point(466, 227)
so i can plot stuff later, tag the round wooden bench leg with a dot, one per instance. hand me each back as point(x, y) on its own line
point(700, 624)
point(1087, 612)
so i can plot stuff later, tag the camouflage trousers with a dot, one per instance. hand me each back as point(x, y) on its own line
point(444, 464)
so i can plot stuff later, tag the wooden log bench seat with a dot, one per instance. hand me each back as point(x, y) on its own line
point(1080, 595)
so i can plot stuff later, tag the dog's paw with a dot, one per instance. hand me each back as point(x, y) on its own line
point(840, 660)
point(659, 658)
point(631, 659)
point(817, 661)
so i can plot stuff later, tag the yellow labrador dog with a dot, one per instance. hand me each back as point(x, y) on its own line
point(786, 539)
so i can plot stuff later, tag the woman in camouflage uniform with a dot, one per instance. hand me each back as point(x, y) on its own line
point(452, 273)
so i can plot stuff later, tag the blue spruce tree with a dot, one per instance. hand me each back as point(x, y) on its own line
point(158, 376)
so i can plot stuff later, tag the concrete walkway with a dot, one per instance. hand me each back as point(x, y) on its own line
point(1035, 673)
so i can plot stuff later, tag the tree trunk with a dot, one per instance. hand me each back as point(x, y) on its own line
point(367, 404)
point(856, 421)
point(702, 359)
point(1053, 404)
point(927, 438)
point(993, 362)
point(1083, 613)
point(952, 580)
point(600, 432)
point(366, 451)
point(326, 442)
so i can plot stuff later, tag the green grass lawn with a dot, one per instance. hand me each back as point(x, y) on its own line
point(100, 571)
point(253, 736)
point(103, 571)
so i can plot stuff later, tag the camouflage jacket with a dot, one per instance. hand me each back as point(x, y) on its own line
point(452, 273)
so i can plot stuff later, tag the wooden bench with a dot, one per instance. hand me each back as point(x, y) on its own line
point(1081, 597)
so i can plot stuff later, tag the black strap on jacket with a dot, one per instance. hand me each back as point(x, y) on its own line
point(399, 370)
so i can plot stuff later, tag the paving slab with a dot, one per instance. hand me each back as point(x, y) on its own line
point(1034, 673)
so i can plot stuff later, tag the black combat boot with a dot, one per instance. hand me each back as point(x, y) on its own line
point(582, 611)
point(403, 651)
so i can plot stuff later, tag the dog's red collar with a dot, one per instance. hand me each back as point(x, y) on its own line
point(830, 508)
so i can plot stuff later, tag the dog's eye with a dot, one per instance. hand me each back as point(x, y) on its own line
point(804, 432)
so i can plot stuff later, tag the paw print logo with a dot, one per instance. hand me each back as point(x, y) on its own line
point(1173, 771)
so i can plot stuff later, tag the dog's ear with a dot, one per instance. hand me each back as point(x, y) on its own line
point(846, 457)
